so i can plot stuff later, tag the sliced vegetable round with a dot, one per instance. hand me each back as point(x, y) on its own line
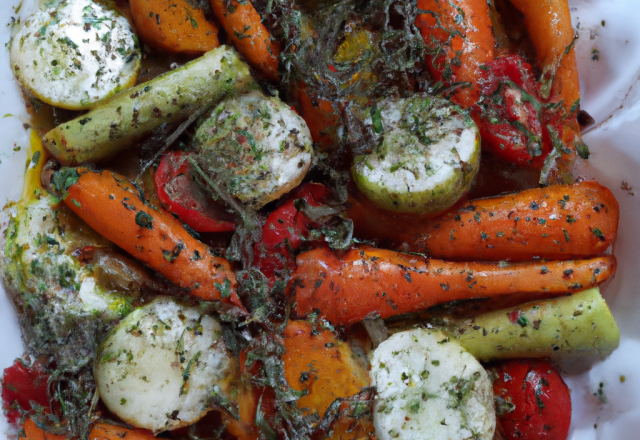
point(427, 383)
point(175, 188)
point(75, 54)
point(426, 156)
point(257, 147)
point(162, 366)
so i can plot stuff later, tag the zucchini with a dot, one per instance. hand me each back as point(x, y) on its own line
point(174, 96)
point(162, 366)
point(573, 331)
point(75, 54)
point(428, 385)
point(426, 155)
point(258, 147)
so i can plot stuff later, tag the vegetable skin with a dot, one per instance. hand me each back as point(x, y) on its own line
point(174, 26)
point(111, 206)
point(459, 41)
point(516, 227)
point(245, 30)
point(318, 363)
point(115, 125)
point(374, 282)
point(574, 331)
point(100, 431)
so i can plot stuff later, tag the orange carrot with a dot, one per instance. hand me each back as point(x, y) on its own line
point(30, 431)
point(112, 206)
point(244, 28)
point(459, 41)
point(174, 26)
point(318, 363)
point(374, 282)
point(100, 431)
point(559, 222)
point(548, 24)
point(321, 118)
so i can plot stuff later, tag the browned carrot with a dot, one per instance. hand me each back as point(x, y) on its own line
point(100, 431)
point(559, 222)
point(548, 24)
point(374, 282)
point(112, 206)
point(244, 28)
point(321, 118)
point(174, 25)
point(459, 41)
point(316, 362)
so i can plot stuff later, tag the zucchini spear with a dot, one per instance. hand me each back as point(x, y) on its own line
point(574, 331)
point(113, 126)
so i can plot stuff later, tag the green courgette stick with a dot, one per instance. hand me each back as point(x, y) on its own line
point(574, 331)
point(172, 97)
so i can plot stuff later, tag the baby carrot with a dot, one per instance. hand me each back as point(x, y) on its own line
point(100, 431)
point(244, 28)
point(459, 41)
point(337, 371)
point(374, 282)
point(112, 206)
point(322, 119)
point(548, 24)
point(559, 222)
point(174, 26)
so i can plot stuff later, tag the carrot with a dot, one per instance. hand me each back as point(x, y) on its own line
point(244, 28)
point(373, 282)
point(319, 364)
point(112, 206)
point(548, 24)
point(559, 222)
point(30, 431)
point(321, 118)
point(459, 41)
point(100, 431)
point(174, 25)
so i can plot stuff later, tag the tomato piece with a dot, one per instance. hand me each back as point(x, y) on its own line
point(541, 399)
point(23, 384)
point(181, 195)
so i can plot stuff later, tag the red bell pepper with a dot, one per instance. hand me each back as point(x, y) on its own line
point(185, 198)
point(23, 384)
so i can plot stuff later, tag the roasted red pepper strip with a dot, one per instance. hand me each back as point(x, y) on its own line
point(511, 115)
point(286, 230)
point(23, 384)
point(182, 196)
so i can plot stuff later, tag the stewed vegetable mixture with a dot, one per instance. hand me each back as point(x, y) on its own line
point(304, 220)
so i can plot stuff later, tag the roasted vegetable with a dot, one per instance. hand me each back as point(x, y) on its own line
point(112, 206)
point(117, 124)
point(533, 401)
point(161, 366)
point(75, 54)
point(574, 331)
point(427, 383)
point(257, 147)
point(174, 25)
point(425, 156)
point(346, 288)
point(560, 222)
point(247, 33)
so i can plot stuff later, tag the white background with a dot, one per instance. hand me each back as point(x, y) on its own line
point(610, 93)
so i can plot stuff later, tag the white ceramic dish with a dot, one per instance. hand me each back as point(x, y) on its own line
point(609, 62)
